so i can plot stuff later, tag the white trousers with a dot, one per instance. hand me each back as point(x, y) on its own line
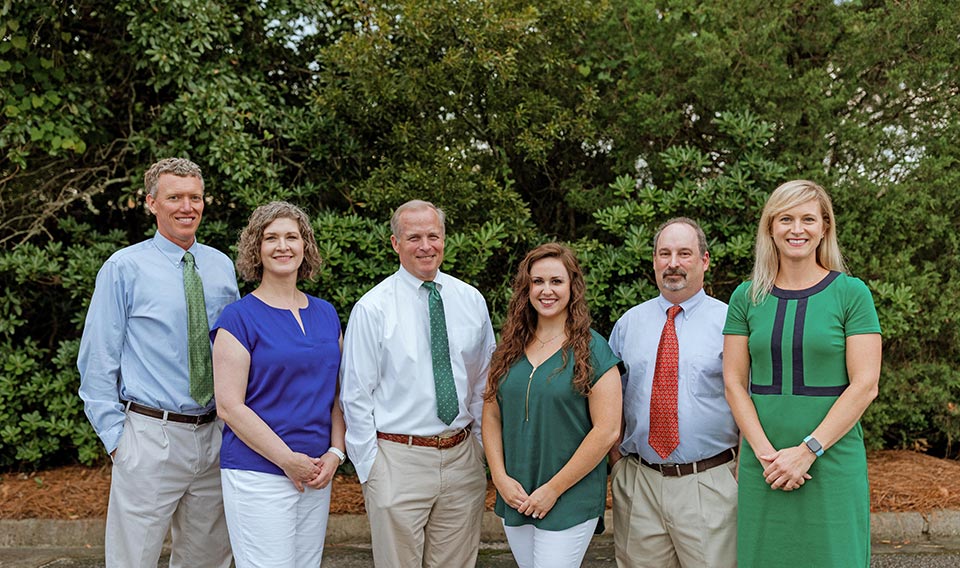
point(273, 524)
point(166, 475)
point(537, 548)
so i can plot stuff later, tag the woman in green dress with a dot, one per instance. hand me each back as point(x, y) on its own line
point(801, 363)
point(551, 413)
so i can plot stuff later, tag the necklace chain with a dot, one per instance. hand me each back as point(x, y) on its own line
point(542, 342)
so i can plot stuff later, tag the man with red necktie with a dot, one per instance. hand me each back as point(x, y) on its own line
point(674, 485)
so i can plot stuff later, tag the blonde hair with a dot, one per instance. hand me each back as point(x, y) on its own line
point(767, 257)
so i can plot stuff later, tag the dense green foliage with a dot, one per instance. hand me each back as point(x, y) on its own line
point(585, 121)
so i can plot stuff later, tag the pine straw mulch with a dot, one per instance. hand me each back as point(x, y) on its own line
point(900, 481)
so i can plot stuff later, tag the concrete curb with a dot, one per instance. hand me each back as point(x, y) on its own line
point(343, 529)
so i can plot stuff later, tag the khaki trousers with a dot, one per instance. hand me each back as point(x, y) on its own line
point(663, 522)
point(166, 475)
point(426, 505)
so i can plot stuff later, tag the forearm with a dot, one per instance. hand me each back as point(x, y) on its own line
point(745, 415)
point(594, 447)
point(844, 414)
point(255, 433)
point(736, 380)
point(863, 354)
point(338, 428)
point(492, 431)
point(614, 454)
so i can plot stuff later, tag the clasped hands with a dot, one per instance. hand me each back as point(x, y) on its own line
point(315, 473)
point(786, 469)
point(536, 504)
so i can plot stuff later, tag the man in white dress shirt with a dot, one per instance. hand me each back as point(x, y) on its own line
point(419, 459)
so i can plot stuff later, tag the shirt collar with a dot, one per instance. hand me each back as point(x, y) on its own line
point(689, 306)
point(415, 282)
point(172, 251)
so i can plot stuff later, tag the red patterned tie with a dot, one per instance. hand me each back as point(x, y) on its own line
point(664, 431)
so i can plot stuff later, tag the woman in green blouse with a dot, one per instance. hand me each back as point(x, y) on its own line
point(551, 413)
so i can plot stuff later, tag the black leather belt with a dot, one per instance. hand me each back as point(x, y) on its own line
point(197, 419)
point(679, 469)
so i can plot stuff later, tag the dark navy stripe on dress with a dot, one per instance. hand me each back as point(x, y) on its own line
point(776, 356)
point(799, 383)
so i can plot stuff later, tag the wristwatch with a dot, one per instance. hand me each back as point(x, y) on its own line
point(813, 445)
point(336, 451)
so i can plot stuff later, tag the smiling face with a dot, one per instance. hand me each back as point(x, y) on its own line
point(178, 207)
point(281, 248)
point(797, 232)
point(678, 264)
point(419, 242)
point(549, 288)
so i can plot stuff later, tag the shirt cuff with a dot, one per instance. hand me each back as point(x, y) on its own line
point(111, 438)
point(363, 468)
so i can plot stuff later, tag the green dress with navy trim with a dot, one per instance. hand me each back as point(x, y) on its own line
point(798, 369)
point(541, 431)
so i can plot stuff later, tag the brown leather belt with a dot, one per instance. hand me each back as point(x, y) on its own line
point(678, 469)
point(197, 419)
point(439, 442)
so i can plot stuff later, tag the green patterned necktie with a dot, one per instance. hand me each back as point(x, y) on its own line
point(447, 405)
point(198, 334)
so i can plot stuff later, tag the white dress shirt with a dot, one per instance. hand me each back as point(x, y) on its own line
point(387, 370)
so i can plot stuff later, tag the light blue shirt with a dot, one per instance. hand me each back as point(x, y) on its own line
point(134, 344)
point(706, 423)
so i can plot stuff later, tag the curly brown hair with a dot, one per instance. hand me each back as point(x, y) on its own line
point(521, 323)
point(248, 247)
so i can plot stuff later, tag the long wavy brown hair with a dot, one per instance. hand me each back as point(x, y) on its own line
point(521, 324)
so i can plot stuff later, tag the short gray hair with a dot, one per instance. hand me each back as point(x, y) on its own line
point(416, 205)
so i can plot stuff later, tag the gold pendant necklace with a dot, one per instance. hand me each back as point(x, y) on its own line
point(544, 343)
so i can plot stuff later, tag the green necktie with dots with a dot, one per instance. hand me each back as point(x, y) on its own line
point(448, 406)
point(198, 334)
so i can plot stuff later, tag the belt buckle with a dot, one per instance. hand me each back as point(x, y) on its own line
point(438, 440)
point(675, 466)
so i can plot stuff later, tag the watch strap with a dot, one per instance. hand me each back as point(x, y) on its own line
point(336, 451)
point(815, 446)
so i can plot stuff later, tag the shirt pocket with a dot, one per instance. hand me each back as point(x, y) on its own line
point(463, 340)
point(706, 375)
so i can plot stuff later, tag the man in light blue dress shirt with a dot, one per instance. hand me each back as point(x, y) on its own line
point(679, 510)
point(135, 384)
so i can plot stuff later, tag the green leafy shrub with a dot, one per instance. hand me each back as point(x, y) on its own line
point(42, 307)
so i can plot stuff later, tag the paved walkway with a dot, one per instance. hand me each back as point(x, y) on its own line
point(927, 554)
point(899, 539)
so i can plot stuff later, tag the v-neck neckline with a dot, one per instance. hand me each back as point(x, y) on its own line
point(551, 356)
point(296, 320)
